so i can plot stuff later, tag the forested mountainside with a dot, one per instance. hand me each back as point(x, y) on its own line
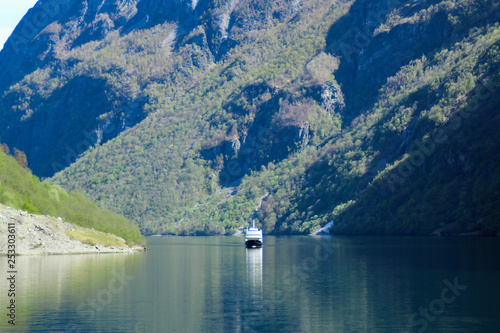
point(194, 117)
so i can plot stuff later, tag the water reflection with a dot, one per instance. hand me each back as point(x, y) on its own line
point(293, 284)
point(254, 272)
point(73, 291)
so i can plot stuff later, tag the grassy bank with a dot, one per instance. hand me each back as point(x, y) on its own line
point(21, 190)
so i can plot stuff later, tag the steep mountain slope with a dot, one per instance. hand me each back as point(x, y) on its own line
point(192, 117)
point(131, 56)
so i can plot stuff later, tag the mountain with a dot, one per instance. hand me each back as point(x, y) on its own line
point(194, 117)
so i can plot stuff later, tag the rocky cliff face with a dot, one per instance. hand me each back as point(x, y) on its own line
point(79, 107)
point(54, 26)
point(373, 47)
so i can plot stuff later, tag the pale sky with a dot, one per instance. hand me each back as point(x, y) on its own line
point(11, 12)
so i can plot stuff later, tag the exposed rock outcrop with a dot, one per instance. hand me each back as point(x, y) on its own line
point(331, 98)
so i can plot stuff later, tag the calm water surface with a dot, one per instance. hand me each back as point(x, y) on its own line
point(292, 284)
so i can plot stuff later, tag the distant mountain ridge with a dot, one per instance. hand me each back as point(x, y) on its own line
point(184, 116)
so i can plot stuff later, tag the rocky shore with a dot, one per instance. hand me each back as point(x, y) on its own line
point(41, 234)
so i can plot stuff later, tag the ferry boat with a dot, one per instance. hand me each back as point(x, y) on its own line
point(253, 237)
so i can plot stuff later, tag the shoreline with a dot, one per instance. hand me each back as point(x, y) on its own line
point(47, 235)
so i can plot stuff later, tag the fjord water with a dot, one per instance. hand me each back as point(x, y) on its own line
point(292, 284)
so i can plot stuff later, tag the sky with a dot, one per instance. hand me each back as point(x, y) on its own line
point(11, 12)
